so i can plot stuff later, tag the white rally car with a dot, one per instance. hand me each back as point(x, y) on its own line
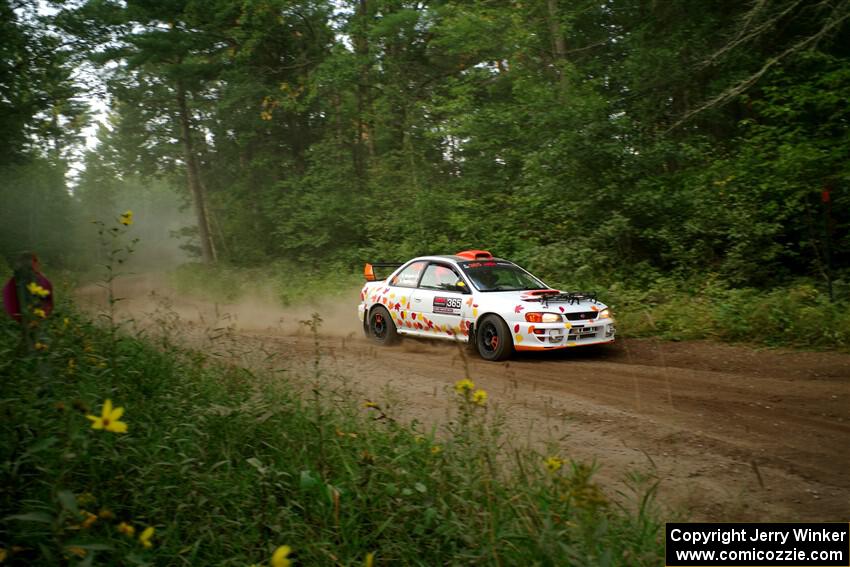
point(473, 297)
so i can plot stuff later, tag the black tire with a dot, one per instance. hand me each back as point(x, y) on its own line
point(493, 338)
point(380, 327)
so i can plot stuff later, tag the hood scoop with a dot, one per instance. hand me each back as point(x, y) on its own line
point(546, 296)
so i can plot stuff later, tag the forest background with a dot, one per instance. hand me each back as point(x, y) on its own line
point(689, 160)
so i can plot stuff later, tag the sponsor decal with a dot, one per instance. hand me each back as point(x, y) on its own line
point(447, 305)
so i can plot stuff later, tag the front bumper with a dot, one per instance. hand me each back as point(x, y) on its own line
point(537, 336)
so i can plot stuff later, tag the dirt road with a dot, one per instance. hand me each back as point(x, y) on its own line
point(733, 433)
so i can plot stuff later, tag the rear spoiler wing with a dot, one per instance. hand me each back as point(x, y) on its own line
point(383, 268)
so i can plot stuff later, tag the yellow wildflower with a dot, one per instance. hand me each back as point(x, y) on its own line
point(370, 405)
point(126, 529)
point(39, 312)
point(36, 289)
point(479, 397)
point(464, 386)
point(436, 450)
point(145, 538)
point(108, 419)
point(40, 346)
point(90, 519)
point(553, 464)
point(86, 499)
point(106, 514)
point(370, 559)
point(279, 558)
point(78, 551)
point(126, 218)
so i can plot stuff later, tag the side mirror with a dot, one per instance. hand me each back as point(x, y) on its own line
point(461, 287)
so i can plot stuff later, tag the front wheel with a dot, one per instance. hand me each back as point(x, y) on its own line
point(493, 339)
point(381, 328)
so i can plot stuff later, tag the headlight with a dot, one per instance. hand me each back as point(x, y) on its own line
point(606, 314)
point(543, 318)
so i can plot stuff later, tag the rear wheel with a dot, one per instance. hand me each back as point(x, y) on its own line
point(381, 328)
point(493, 338)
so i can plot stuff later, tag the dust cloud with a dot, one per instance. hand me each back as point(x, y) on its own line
point(149, 299)
point(162, 227)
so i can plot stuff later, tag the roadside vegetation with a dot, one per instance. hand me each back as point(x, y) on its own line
point(799, 315)
point(119, 451)
point(280, 283)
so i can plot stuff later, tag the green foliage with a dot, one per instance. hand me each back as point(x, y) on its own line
point(800, 315)
point(39, 115)
point(41, 215)
point(539, 132)
point(40, 119)
point(271, 461)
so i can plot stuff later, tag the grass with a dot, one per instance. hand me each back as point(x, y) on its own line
point(795, 316)
point(227, 464)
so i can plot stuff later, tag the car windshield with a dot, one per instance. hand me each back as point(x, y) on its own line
point(499, 275)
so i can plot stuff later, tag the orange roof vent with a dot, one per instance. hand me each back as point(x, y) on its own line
point(475, 254)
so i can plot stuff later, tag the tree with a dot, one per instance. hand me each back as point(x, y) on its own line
point(39, 124)
point(160, 67)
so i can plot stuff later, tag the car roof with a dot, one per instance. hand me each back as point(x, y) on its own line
point(452, 258)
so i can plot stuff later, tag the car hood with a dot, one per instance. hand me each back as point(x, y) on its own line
point(520, 302)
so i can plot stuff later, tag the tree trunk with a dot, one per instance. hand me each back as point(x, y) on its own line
point(193, 177)
point(559, 46)
point(364, 148)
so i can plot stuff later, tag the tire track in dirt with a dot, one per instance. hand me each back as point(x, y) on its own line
point(765, 438)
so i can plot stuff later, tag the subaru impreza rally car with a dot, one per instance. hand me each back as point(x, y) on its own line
point(473, 297)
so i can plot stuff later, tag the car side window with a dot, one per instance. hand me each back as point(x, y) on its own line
point(440, 277)
point(409, 276)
